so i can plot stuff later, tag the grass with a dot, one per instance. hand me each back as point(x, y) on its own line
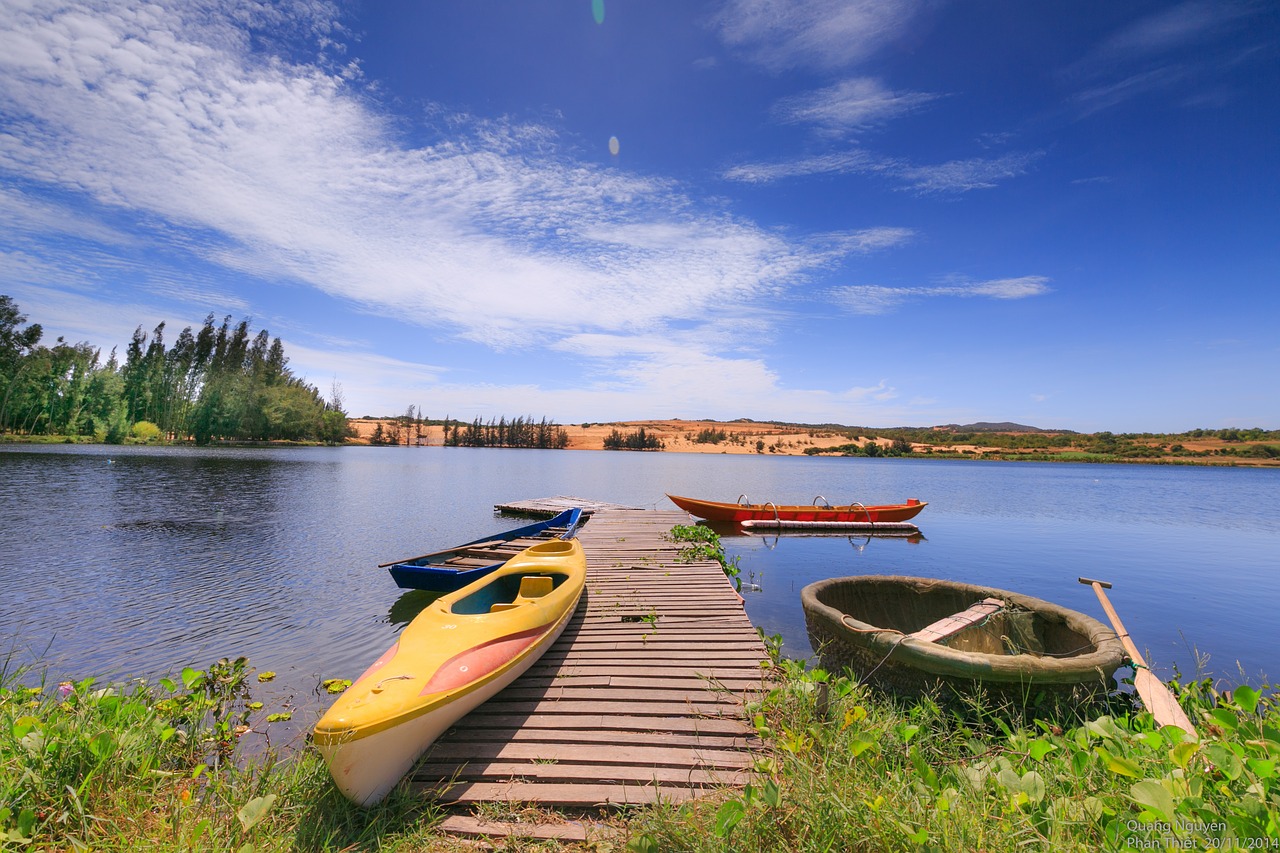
point(853, 770)
point(155, 767)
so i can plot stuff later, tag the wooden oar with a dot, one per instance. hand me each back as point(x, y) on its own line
point(1154, 693)
point(452, 550)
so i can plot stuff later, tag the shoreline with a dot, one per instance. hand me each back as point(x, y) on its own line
point(762, 438)
point(759, 438)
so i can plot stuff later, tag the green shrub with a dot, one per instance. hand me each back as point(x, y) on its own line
point(638, 440)
point(145, 431)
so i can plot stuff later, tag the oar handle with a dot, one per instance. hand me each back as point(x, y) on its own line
point(1125, 640)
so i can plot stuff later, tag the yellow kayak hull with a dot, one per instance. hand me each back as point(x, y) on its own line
point(458, 652)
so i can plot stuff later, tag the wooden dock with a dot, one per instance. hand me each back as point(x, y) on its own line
point(554, 506)
point(639, 700)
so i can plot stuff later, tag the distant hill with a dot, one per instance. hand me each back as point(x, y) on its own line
point(980, 426)
point(1003, 426)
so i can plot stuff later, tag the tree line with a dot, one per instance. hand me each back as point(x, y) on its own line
point(638, 440)
point(517, 432)
point(216, 383)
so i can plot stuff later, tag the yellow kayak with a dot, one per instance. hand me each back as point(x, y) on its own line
point(459, 651)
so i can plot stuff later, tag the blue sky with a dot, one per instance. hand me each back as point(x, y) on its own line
point(891, 213)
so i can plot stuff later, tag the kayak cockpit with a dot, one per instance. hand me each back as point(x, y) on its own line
point(508, 592)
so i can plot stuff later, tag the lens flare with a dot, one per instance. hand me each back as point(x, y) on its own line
point(597, 10)
point(613, 145)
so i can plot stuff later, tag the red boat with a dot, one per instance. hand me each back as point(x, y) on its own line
point(853, 513)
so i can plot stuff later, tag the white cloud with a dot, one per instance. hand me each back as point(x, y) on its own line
point(874, 299)
point(849, 105)
point(959, 176)
point(836, 163)
point(827, 34)
point(874, 239)
point(284, 171)
point(372, 383)
point(956, 176)
point(24, 217)
point(1008, 288)
point(659, 380)
point(84, 316)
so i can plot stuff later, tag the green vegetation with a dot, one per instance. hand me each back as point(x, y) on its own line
point(853, 770)
point(518, 432)
point(710, 436)
point(155, 766)
point(638, 440)
point(898, 447)
point(214, 384)
point(405, 429)
point(704, 544)
point(1042, 446)
point(145, 431)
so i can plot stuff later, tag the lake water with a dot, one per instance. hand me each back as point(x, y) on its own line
point(123, 561)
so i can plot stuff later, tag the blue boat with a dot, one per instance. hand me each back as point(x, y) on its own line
point(454, 568)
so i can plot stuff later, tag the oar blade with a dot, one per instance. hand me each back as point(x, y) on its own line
point(1160, 701)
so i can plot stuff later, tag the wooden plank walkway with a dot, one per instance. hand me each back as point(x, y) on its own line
point(639, 700)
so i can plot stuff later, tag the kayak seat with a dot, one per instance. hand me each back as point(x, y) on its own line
point(531, 587)
point(535, 586)
point(504, 605)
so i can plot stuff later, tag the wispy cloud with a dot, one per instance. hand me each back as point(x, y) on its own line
point(873, 299)
point(868, 240)
point(825, 34)
point(834, 163)
point(1171, 50)
point(956, 176)
point(24, 217)
point(1168, 30)
point(849, 105)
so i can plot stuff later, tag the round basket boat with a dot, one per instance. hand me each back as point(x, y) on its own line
point(892, 632)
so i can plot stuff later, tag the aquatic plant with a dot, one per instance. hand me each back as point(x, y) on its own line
point(703, 543)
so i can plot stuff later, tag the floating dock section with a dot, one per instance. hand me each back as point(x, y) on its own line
point(640, 699)
point(554, 506)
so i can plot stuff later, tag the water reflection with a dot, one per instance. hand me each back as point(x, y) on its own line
point(859, 541)
point(407, 607)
